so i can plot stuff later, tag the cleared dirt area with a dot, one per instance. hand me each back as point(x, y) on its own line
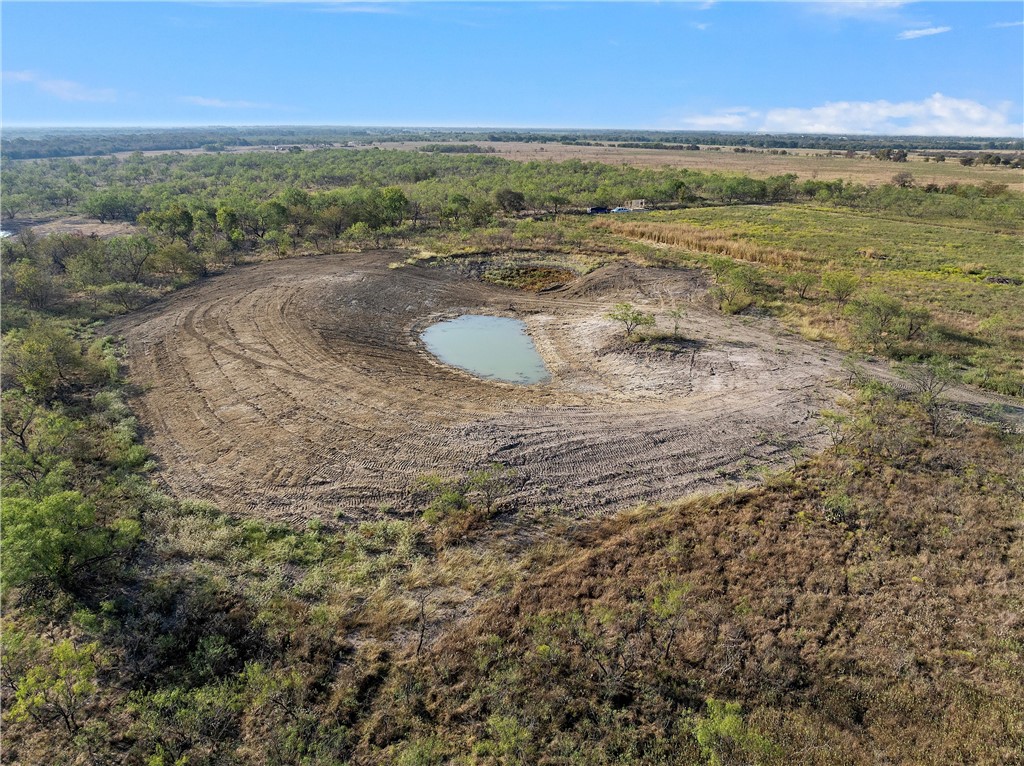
point(299, 389)
point(74, 224)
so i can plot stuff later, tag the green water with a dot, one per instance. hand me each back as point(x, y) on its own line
point(496, 348)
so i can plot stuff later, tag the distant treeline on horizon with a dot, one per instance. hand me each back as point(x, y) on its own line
point(38, 143)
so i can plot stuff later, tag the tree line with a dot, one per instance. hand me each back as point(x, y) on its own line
point(205, 212)
point(72, 142)
point(120, 188)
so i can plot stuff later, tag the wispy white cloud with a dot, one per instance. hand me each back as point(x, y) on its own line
point(336, 6)
point(733, 118)
point(65, 90)
point(217, 103)
point(703, 26)
point(1006, 24)
point(937, 115)
point(913, 34)
point(344, 6)
point(857, 9)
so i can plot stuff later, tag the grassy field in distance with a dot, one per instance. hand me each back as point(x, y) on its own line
point(806, 163)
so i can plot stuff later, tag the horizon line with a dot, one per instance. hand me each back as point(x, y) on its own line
point(466, 128)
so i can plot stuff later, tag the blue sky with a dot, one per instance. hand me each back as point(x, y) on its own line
point(839, 67)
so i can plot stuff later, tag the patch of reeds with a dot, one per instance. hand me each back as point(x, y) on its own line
point(705, 241)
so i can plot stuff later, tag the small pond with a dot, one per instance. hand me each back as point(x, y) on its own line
point(496, 348)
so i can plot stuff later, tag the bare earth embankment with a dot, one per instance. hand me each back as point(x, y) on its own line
point(299, 389)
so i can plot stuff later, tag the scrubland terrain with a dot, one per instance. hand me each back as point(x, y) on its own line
point(248, 519)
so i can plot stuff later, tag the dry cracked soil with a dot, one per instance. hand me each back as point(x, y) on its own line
point(299, 389)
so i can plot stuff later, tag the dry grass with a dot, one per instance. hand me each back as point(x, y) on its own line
point(702, 240)
point(862, 610)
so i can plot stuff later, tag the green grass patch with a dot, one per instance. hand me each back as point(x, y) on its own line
point(532, 278)
point(969, 278)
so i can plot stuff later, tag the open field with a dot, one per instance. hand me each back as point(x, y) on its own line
point(805, 163)
point(299, 389)
point(967, 273)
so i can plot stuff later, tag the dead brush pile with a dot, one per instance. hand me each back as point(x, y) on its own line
point(705, 241)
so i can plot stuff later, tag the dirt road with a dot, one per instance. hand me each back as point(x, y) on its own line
point(299, 389)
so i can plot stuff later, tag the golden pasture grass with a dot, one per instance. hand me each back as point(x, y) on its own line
point(704, 241)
